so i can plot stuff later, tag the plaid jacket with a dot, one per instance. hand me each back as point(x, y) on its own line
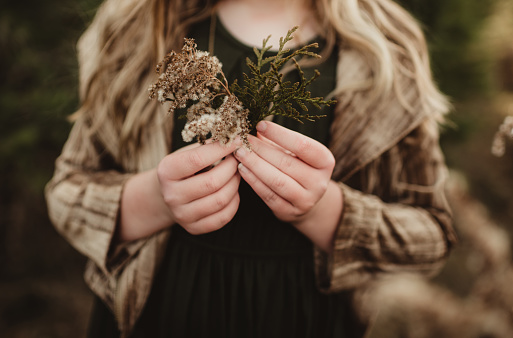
point(389, 167)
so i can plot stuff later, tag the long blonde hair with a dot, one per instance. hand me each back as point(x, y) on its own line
point(119, 50)
point(393, 44)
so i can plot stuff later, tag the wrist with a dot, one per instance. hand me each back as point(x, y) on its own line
point(143, 209)
point(321, 222)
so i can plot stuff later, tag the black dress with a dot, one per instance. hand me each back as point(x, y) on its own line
point(255, 276)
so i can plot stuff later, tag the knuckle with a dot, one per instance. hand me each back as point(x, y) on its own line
point(200, 227)
point(322, 186)
point(184, 217)
point(194, 229)
point(307, 206)
point(215, 224)
point(162, 172)
point(286, 214)
point(178, 215)
point(286, 162)
point(271, 197)
point(220, 201)
point(230, 211)
point(181, 216)
point(303, 145)
point(194, 160)
point(170, 199)
point(297, 213)
point(330, 161)
point(279, 182)
point(303, 206)
point(210, 184)
point(223, 219)
point(250, 160)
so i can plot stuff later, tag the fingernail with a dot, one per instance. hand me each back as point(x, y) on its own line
point(240, 152)
point(261, 126)
point(242, 168)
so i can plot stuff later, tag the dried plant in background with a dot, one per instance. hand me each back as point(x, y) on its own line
point(411, 307)
point(194, 80)
point(499, 141)
point(414, 307)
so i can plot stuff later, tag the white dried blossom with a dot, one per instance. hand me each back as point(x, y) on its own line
point(223, 124)
point(161, 95)
point(193, 79)
point(201, 126)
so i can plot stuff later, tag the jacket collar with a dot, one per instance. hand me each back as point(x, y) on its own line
point(360, 132)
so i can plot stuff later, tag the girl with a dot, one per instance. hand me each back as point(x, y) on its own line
point(272, 242)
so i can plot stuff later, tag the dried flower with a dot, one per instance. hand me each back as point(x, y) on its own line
point(194, 80)
point(499, 141)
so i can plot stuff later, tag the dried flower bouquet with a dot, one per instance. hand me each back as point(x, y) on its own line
point(193, 79)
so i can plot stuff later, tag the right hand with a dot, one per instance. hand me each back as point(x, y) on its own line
point(200, 201)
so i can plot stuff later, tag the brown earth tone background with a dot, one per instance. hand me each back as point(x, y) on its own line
point(42, 293)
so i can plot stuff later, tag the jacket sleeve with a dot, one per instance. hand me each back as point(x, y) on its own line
point(83, 200)
point(395, 216)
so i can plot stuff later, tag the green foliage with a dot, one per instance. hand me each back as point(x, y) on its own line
point(452, 28)
point(195, 80)
point(38, 89)
point(469, 74)
point(38, 77)
point(265, 93)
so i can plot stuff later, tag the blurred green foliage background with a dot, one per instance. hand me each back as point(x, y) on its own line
point(41, 290)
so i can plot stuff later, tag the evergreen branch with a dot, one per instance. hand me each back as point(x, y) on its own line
point(270, 94)
point(194, 80)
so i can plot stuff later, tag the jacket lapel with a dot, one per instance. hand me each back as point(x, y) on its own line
point(361, 131)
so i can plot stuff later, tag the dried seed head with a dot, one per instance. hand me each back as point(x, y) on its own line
point(192, 80)
point(499, 141)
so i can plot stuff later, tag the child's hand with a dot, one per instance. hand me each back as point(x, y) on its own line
point(200, 202)
point(288, 170)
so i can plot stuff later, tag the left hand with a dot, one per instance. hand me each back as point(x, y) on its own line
point(289, 171)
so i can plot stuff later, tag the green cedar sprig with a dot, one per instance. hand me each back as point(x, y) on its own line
point(266, 93)
point(194, 80)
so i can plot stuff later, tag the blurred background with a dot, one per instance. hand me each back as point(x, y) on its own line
point(42, 293)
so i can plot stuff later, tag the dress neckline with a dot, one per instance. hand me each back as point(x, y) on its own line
point(217, 24)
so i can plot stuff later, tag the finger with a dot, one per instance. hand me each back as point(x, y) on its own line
point(274, 144)
point(215, 221)
point(280, 183)
point(274, 201)
point(208, 182)
point(193, 145)
point(188, 147)
point(287, 163)
point(307, 149)
point(188, 162)
point(208, 205)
